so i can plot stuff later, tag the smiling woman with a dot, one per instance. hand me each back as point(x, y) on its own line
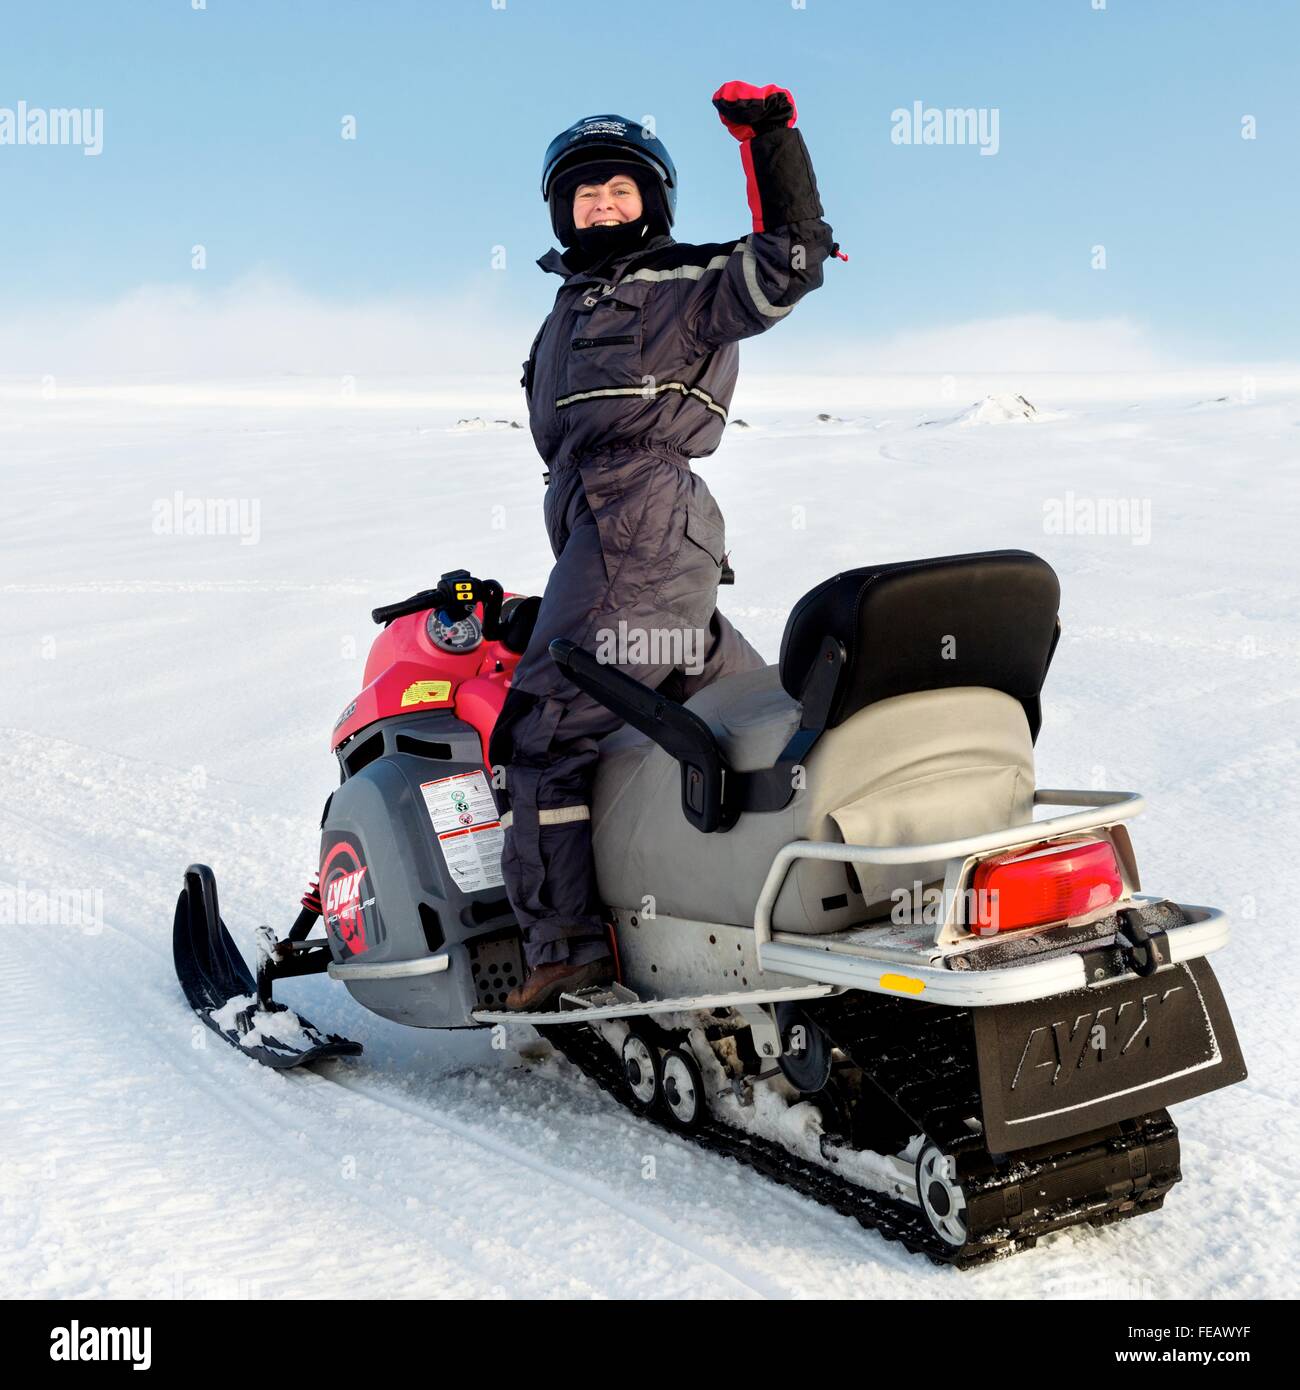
point(608, 204)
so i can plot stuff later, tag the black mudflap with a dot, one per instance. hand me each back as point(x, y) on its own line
point(1050, 1069)
point(921, 1061)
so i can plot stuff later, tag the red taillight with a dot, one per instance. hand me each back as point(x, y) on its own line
point(1045, 883)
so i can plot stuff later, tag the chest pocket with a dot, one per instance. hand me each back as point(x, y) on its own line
point(606, 346)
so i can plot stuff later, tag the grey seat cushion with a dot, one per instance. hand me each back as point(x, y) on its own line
point(911, 769)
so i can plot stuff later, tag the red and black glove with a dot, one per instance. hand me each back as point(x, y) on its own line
point(747, 110)
point(779, 178)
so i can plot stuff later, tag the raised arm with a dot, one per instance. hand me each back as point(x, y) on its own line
point(744, 287)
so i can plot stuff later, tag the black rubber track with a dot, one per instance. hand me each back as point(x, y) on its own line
point(922, 1056)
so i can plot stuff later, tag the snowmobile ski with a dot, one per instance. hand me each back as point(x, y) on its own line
point(222, 991)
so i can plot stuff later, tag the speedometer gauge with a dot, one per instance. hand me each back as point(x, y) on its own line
point(462, 636)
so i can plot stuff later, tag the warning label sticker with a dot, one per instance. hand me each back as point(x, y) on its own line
point(469, 834)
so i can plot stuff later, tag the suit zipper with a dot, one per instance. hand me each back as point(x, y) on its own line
point(608, 338)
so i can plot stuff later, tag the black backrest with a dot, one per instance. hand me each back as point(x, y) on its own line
point(986, 619)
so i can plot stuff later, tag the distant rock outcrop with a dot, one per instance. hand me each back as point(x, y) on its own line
point(997, 410)
point(1003, 409)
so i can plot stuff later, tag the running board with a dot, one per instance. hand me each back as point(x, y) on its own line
point(618, 1002)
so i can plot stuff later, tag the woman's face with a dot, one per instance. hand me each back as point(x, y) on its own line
point(595, 204)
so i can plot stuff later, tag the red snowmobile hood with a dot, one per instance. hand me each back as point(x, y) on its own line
point(405, 674)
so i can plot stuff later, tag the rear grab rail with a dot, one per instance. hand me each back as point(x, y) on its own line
point(1100, 808)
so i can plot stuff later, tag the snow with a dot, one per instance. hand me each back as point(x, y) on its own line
point(167, 697)
point(280, 1031)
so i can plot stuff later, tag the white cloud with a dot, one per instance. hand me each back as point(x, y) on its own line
point(261, 327)
point(1017, 343)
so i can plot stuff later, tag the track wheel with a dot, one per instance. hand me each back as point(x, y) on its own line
point(683, 1089)
point(641, 1071)
point(940, 1193)
point(805, 1049)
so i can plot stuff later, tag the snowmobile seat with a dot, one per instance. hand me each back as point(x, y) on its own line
point(862, 636)
point(909, 769)
point(931, 741)
point(988, 619)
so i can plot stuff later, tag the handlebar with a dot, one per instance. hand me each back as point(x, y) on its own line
point(456, 596)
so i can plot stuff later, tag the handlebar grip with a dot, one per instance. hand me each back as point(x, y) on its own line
point(450, 594)
point(417, 603)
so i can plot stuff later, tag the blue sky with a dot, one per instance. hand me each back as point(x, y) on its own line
point(1119, 126)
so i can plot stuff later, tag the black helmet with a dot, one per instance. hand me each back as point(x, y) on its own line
point(603, 140)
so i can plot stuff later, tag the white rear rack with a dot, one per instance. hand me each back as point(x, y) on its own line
point(874, 959)
point(1104, 808)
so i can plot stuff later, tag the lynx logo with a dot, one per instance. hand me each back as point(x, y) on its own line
point(344, 893)
point(1064, 1049)
point(347, 897)
point(344, 909)
point(77, 1343)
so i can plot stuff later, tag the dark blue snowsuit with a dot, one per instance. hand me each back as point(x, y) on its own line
point(629, 379)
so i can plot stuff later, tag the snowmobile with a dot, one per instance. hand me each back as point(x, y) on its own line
point(859, 950)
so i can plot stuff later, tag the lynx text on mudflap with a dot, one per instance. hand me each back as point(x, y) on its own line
point(77, 1343)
